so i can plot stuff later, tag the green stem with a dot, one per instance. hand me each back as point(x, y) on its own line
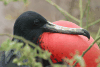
point(87, 15)
point(81, 12)
point(63, 11)
point(97, 21)
point(98, 33)
point(85, 9)
point(65, 16)
point(52, 65)
point(87, 50)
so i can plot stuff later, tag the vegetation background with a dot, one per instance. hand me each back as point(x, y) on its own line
point(86, 12)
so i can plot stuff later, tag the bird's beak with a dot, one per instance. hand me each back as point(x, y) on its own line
point(50, 27)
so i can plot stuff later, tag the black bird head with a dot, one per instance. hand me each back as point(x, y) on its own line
point(31, 25)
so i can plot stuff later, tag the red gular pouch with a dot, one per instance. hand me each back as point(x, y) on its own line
point(62, 45)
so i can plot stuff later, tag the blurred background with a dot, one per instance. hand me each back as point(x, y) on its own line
point(9, 13)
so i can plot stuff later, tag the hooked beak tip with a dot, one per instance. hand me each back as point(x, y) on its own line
point(86, 33)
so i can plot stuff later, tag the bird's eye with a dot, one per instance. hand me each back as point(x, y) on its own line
point(36, 22)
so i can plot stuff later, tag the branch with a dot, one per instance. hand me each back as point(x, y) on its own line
point(87, 15)
point(87, 49)
point(81, 12)
point(21, 38)
point(62, 11)
point(98, 33)
point(97, 21)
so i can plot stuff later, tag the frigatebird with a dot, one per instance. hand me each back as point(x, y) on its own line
point(31, 25)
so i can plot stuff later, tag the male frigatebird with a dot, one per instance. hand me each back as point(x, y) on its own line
point(31, 25)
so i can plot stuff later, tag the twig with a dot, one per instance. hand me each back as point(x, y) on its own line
point(21, 38)
point(81, 12)
point(85, 9)
point(97, 21)
point(63, 11)
point(87, 50)
point(87, 14)
point(98, 33)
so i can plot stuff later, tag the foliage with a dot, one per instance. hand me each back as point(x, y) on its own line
point(28, 53)
point(8, 1)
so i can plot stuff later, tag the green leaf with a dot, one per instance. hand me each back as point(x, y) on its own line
point(80, 60)
point(18, 46)
point(5, 2)
point(15, 0)
point(15, 60)
point(27, 50)
point(25, 1)
point(45, 55)
point(58, 65)
point(5, 44)
point(98, 65)
point(38, 64)
point(20, 63)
